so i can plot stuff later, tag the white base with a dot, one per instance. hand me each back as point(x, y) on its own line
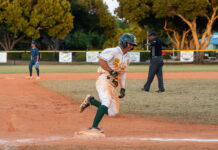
point(89, 134)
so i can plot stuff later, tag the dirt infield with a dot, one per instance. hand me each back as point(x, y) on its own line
point(31, 114)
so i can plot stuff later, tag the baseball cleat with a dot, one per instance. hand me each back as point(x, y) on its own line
point(37, 78)
point(96, 129)
point(86, 103)
point(144, 90)
point(29, 77)
point(160, 91)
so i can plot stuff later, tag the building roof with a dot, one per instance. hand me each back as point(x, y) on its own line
point(214, 39)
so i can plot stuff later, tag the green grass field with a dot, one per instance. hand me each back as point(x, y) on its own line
point(93, 68)
point(186, 100)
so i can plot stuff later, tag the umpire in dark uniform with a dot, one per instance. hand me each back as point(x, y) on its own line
point(156, 63)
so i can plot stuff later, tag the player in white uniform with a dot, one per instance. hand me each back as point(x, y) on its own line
point(112, 72)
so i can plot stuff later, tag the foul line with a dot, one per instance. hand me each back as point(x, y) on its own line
point(165, 139)
point(4, 142)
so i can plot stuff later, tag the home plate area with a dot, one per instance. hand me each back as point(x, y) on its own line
point(89, 134)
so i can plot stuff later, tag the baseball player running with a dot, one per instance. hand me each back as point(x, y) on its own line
point(34, 61)
point(112, 72)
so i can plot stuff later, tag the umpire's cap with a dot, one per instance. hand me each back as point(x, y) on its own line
point(33, 42)
point(127, 38)
point(153, 34)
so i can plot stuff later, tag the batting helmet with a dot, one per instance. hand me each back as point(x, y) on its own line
point(127, 38)
point(33, 42)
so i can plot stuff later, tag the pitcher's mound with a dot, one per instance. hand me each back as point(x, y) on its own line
point(89, 134)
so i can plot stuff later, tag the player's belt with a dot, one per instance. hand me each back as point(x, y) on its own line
point(156, 56)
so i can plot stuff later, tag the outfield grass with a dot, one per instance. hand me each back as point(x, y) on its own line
point(185, 100)
point(93, 68)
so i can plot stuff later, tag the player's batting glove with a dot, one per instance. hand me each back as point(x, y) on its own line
point(113, 73)
point(122, 93)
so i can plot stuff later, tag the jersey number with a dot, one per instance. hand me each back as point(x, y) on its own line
point(116, 62)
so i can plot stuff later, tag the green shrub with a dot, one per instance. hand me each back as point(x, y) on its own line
point(25, 56)
point(212, 54)
point(14, 56)
point(167, 56)
point(80, 57)
point(49, 56)
point(46, 56)
point(144, 56)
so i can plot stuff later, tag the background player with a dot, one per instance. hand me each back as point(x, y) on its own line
point(34, 59)
point(112, 72)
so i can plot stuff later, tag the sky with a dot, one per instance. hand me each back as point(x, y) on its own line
point(112, 4)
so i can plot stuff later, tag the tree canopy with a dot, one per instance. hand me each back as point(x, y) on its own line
point(138, 31)
point(134, 11)
point(93, 25)
point(189, 12)
point(20, 18)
